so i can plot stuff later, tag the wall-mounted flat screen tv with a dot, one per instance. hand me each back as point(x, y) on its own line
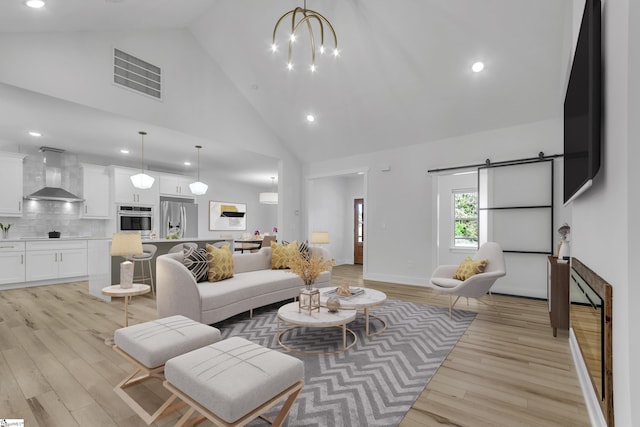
point(582, 106)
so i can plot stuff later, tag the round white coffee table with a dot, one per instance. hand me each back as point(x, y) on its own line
point(126, 293)
point(290, 313)
point(368, 299)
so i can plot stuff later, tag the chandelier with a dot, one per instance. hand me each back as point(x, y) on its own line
point(312, 20)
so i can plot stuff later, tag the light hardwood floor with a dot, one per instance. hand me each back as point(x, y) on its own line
point(55, 370)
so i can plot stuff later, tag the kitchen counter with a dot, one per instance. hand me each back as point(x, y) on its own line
point(23, 239)
point(185, 239)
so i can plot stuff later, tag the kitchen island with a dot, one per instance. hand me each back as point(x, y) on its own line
point(163, 245)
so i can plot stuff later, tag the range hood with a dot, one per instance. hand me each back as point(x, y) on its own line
point(52, 160)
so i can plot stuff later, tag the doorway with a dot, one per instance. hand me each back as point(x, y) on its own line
point(358, 231)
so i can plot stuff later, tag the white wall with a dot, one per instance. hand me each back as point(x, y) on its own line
point(399, 202)
point(198, 98)
point(605, 227)
point(633, 176)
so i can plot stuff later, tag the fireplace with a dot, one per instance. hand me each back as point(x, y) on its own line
point(591, 333)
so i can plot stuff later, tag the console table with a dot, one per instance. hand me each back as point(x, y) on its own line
point(558, 294)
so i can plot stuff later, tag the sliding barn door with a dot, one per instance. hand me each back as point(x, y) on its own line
point(515, 207)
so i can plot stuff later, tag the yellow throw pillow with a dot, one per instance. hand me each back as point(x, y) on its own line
point(469, 267)
point(220, 263)
point(282, 255)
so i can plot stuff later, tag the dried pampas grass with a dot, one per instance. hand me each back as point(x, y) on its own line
point(308, 269)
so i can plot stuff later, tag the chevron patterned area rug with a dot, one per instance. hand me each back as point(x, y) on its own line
point(373, 383)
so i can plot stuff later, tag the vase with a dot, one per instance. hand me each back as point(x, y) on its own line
point(5, 234)
point(308, 285)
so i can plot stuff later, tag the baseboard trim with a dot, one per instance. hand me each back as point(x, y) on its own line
point(401, 280)
point(590, 399)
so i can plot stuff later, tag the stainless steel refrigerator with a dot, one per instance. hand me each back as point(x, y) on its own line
point(178, 217)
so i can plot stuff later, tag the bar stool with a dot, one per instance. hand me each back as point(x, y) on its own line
point(148, 252)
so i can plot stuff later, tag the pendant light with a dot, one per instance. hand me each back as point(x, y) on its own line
point(142, 180)
point(198, 188)
point(270, 198)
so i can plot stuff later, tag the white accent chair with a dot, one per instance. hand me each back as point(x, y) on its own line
point(477, 285)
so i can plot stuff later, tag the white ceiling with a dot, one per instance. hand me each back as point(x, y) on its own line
point(403, 76)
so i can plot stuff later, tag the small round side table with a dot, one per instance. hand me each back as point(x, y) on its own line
point(126, 293)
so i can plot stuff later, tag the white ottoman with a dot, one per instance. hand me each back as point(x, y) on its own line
point(234, 381)
point(149, 345)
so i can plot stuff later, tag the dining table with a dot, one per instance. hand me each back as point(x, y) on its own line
point(247, 245)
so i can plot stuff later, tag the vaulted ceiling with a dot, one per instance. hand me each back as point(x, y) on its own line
point(403, 75)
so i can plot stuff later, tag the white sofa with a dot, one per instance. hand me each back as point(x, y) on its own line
point(254, 284)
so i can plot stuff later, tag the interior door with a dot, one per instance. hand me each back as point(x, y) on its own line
point(358, 230)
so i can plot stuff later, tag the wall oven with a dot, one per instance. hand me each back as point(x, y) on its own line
point(135, 218)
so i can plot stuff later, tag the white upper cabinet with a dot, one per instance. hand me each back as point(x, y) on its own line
point(95, 192)
point(175, 186)
point(11, 188)
point(125, 193)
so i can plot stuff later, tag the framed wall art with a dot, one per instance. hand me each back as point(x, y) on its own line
point(227, 216)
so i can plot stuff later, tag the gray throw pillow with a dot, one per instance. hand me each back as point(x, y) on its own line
point(303, 247)
point(195, 259)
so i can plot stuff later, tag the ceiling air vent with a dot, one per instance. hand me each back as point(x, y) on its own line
point(136, 74)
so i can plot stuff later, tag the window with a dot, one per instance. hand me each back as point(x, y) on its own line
point(465, 218)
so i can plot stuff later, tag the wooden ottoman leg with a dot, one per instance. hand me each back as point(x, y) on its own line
point(289, 394)
point(140, 374)
point(236, 381)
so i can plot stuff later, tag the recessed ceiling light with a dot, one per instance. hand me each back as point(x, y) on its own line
point(34, 4)
point(34, 133)
point(310, 118)
point(477, 67)
point(187, 163)
point(124, 151)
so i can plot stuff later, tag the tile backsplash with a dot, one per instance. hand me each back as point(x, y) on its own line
point(40, 217)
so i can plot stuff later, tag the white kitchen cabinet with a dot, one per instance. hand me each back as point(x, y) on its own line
point(11, 188)
point(12, 262)
point(125, 193)
point(175, 186)
point(95, 184)
point(56, 259)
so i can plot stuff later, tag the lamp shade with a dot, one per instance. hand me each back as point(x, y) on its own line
point(126, 244)
point(198, 188)
point(142, 181)
point(319, 237)
point(269, 198)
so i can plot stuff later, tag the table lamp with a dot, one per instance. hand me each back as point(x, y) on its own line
point(124, 245)
point(320, 237)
